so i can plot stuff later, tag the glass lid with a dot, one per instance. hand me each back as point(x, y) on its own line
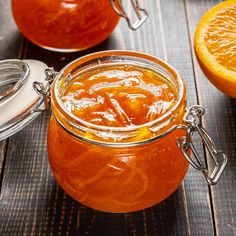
point(19, 102)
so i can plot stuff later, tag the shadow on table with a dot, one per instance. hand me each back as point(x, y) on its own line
point(161, 219)
point(61, 213)
point(67, 216)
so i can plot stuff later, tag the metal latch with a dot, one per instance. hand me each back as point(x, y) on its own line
point(140, 13)
point(219, 159)
point(44, 90)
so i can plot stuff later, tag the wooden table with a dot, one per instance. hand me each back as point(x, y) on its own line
point(31, 202)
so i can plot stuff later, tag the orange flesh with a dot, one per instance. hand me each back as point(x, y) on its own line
point(117, 179)
point(67, 24)
point(121, 96)
point(221, 37)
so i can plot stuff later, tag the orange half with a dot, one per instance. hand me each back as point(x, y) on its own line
point(215, 46)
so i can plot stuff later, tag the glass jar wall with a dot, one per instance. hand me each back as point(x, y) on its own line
point(67, 25)
point(127, 174)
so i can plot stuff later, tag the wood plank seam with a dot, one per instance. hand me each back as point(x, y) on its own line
point(166, 59)
point(162, 30)
point(202, 119)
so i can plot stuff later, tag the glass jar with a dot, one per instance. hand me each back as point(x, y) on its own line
point(112, 169)
point(117, 169)
point(71, 25)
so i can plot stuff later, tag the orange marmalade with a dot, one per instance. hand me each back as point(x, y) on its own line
point(105, 147)
point(65, 25)
point(119, 96)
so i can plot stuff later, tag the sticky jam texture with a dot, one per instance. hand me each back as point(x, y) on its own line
point(120, 96)
point(221, 38)
point(65, 24)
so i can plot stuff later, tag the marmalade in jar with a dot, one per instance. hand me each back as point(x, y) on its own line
point(65, 25)
point(117, 178)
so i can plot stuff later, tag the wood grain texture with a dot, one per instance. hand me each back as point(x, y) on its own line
point(10, 39)
point(186, 211)
point(31, 202)
point(173, 223)
point(10, 47)
point(162, 219)
point(7, 35)
point(196, 193)
point(220, 121)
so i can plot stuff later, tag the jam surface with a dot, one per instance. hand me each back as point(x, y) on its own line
point(119, 97)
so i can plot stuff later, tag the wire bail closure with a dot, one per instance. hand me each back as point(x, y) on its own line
point(44, 90)
point(141, 13)
point(219, 159)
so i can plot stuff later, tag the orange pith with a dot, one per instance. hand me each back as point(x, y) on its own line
point(215, 46)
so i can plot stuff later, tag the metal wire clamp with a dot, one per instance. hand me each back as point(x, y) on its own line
point(44, 90)
point(141, 13)
point(219, 159)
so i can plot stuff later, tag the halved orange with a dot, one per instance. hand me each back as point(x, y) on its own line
point(215, 46)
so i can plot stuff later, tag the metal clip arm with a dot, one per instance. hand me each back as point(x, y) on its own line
point(44, 89)
point(141, 13)
point(219, 159)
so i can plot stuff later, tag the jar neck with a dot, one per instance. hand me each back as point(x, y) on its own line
point(132, 135)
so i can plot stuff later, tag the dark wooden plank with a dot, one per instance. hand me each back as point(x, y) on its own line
point(196, 194)
point(93, 222)
point(220, 121)
point(162, 219)
point(10, 39)
point(166, 218)
point(10, 45)
point(32, 203)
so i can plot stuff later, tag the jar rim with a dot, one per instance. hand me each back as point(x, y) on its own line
point(113, 54)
